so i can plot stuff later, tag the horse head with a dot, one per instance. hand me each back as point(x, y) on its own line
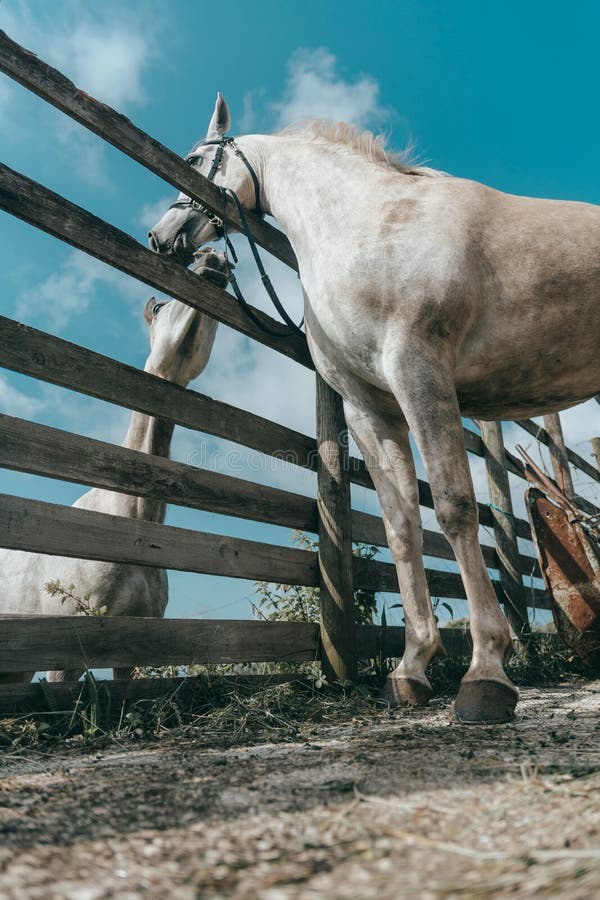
point(187, 224)
point(181, 337)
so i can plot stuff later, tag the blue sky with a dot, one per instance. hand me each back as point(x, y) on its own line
point(505, 93)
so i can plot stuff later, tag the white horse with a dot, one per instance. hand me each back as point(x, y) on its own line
point(426, 297)
point(181, 340)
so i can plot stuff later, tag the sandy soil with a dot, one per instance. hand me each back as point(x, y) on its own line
point(402, 806)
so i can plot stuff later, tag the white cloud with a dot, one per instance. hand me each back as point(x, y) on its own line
point(84, 415)
point(316, 88)
point(107, 60)
point(106, 51)
point(16, 403)
point(70, 289)
point(150, 213)
point(248, 119)
point(5, 103)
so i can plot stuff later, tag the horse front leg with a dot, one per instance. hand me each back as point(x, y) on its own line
point(424, 388)
point(383, 441)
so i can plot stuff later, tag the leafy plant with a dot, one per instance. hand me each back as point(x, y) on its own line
point(67, 595)
point(297, 603)
point(436, 603)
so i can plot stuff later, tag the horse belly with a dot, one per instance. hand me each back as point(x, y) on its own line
point(531, 374)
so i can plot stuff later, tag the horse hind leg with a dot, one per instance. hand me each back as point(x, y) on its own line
point(425, 391)
point(383, 441)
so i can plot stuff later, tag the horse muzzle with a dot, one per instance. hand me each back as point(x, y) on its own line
point(180, 247)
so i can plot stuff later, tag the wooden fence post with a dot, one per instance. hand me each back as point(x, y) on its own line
point(338, 624)
point(558, 454)
point(515, 597)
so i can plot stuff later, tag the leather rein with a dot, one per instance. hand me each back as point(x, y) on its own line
point(222, 232)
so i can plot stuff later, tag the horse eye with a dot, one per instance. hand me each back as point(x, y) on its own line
point(192, 160)
point(156, 309)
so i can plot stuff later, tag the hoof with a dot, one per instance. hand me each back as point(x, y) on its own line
point(485, 703)
point(399, 691)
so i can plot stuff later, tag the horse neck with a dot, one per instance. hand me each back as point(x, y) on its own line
point(300, 184)
point(147, 434)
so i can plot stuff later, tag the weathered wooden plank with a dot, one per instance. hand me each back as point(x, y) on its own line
point(40, 643)
point(64, 531)
point(473, 442)
point(44, 209)
point(338, 627)
point(67, 531)
point(41, 450)
point(52, 359)
point(370, 530)
point(52, 86)
point(457, 641)
point(513, 590)
point(40, 355)
point(380, 576)
point(191, 692)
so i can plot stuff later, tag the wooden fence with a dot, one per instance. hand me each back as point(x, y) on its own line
point(65, 642)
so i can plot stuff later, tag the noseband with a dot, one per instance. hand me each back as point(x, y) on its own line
point(221, 227)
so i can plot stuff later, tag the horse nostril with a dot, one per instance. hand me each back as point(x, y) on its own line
point(153, 242)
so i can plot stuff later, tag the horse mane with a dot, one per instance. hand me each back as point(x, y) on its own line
point(350, 139)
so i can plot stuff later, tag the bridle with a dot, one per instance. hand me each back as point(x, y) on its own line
point(220, 224)
point(220, 144)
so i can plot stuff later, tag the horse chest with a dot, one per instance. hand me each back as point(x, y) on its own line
point(342, 352)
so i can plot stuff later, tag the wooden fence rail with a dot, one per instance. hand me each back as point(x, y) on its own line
point(31, 352)
point(41, 450)
point(113, 697)
point(43, 643)
point(540, 434)
point(66, 531)
point(35, 204)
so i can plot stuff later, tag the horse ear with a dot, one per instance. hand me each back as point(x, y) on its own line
point(221, 119)
point(150, 304)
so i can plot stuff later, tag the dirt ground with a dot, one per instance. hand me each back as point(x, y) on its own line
point(407, 805)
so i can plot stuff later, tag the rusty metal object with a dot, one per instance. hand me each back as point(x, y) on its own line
point(569, 556)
